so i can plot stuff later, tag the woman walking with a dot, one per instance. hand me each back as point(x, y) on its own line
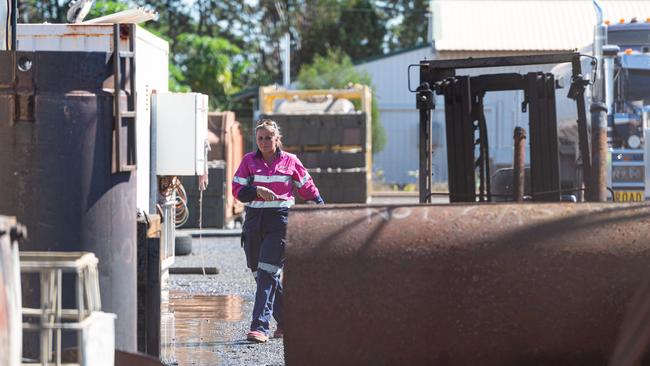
point(264, 181)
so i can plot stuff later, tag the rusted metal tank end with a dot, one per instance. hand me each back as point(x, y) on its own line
point(500, 284)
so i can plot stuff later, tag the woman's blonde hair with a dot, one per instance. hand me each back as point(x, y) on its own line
point(271, 125)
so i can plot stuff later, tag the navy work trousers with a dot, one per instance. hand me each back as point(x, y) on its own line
point(264, 238)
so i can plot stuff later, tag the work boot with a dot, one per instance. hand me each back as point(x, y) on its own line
point(256, 336)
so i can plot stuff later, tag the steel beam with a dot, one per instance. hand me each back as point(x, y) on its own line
point(502, 61)
point(544, 158)
point(460, 139)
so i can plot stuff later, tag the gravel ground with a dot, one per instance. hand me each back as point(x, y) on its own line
point(234, 281)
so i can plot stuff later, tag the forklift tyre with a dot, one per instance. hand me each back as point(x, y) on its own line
point(183, 244)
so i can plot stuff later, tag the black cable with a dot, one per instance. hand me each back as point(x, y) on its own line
point(611, 191)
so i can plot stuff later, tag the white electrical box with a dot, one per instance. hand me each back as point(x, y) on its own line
point(181, 124)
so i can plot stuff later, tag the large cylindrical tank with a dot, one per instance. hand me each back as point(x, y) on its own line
point(502, 284)
point(56, 136)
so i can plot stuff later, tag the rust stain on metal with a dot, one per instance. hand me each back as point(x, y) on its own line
point(500, 284)
point(194, 322)
point(69, 35)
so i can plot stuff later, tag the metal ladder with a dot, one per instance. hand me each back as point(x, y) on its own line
point(124, 147)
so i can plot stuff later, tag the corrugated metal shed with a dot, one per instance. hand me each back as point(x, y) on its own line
point(524, 25)
point(397, 114)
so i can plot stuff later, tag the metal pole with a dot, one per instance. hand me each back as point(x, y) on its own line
point(425, 103)
point(609, 55)
point(425, 156)
point(287, 61)
point(600, 39)
point(599, 151)
point(518, 174)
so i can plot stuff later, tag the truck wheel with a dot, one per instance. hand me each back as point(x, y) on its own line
point(183, 244)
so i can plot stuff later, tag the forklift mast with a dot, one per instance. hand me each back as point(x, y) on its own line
point(466, 127)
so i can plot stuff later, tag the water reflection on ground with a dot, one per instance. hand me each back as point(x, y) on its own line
point(190, 328)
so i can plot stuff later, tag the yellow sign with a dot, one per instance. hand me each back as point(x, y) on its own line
point(628, 196)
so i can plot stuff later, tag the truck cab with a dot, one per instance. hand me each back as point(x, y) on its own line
point(628, 88)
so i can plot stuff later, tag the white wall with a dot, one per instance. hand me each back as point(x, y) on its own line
point(397, 114)
point(152, 75)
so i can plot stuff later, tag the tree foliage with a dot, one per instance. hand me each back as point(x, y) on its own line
point(38, 11)
point(412, 29)
point(208, 64)
point(357, 27)
point(335, 70)
point(104, 7)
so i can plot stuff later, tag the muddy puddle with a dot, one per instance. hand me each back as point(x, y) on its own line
point(192, 327)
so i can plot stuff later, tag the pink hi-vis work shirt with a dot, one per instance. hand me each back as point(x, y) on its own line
point(279, 176)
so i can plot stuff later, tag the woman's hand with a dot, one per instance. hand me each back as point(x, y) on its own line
point(265, 194)
point(203, 182)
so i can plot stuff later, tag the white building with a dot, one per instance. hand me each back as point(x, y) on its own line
point(468, 28)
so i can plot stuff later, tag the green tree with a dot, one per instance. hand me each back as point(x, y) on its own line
point(238, 22)
point(357, 27)
point(55, 11)
point(106, 7)
point(38, 11)
point(412, 29)
point(361, 29)
point(335, 70)
point(209, 65)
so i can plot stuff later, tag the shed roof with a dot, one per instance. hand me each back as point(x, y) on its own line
point(542, 25)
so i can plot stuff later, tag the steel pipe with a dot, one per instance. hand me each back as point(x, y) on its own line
point(518, 174)
point(599, 152)
point(499, 284)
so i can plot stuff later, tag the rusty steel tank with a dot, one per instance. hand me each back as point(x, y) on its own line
point(56, 134)
point(498, 284)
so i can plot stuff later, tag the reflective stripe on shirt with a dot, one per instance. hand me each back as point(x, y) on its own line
point(240, 180)
point(302, 182)
point(271, 178)
point(271, 204)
